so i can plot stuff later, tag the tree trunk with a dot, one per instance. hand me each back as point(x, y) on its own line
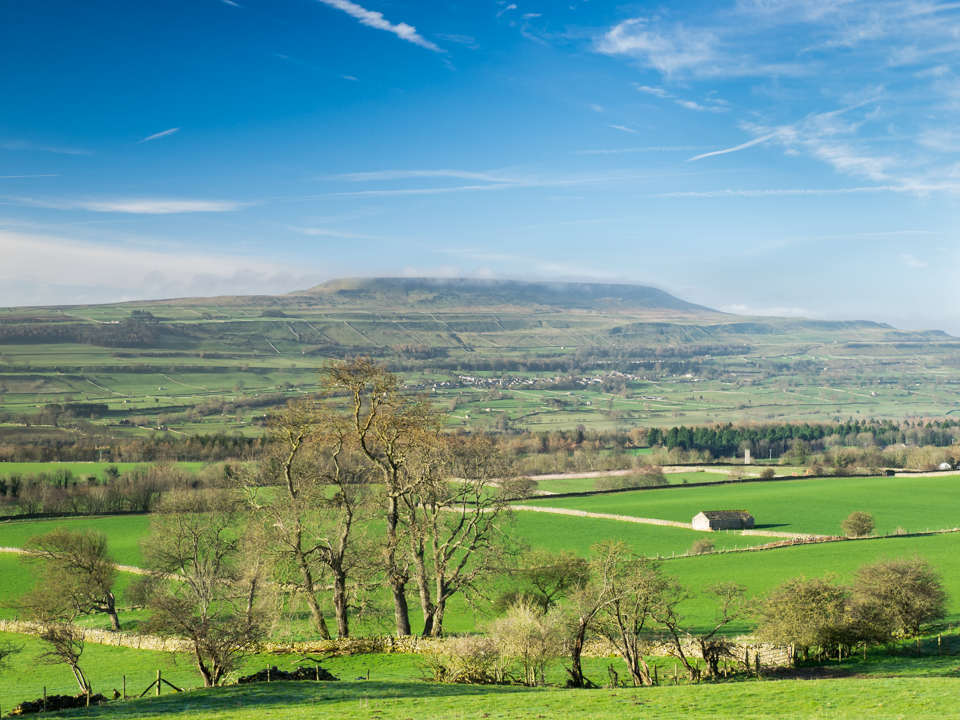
point(204, 672)
point(398, 584)
point(340, 603)
point(639, 670)
point(423, 584)
point(318, 620)
point(81, 678)
point(310, 591)
point(251, 596)
point(112, 611)
point(576, 670)
point(438, 613)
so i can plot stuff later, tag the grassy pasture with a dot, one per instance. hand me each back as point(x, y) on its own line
point(123, 532)
point(761, 571)
point(880, 698)
point(566, 532)
point(807, 506)
point(582, 485)
point(82, 469)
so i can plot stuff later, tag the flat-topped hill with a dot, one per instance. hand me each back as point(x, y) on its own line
point(446, 293)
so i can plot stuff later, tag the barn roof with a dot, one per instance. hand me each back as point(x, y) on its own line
point(726, 514)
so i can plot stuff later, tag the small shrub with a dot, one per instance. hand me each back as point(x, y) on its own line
point(702, 547)
point(469, 659)
point(529, 639)
point(768, 474)
point(900, 530)
point(858, 524)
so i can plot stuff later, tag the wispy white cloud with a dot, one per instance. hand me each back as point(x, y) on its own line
point(659, 92)
point(670, 52)
point(741, 309)
point(511, 6)
point(912, 261)
point(621, 127)
point(76, 272)
point(136, 206)
point(230, 2)
point(530, 16)
point(691, 105)
point(783, 192)
point(742, 146)
point(940, 139)
point(376, 20)
point(59, 150)
point(618, 151)
point(466, 40)
point(157, 136)
point(407, 174)
point(426, 191)
point(326, 232)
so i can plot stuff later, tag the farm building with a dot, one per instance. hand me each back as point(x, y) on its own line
point(723, 520)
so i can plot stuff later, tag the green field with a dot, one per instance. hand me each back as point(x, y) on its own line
point(564, 532)
point(583, 485)
point(123, 532)
point(760, 571)
point(806, 506)
point(81, 469)
point(893, 698)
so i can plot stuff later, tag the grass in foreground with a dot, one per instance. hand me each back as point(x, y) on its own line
point(854, 698)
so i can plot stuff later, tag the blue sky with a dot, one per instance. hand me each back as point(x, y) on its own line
point(762, 156)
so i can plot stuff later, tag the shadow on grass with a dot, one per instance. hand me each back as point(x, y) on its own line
point(282, 694)
point(770, 526)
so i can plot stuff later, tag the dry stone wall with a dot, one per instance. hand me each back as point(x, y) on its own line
point(770, 655)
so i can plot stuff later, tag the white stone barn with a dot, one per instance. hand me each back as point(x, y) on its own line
point(722, 520)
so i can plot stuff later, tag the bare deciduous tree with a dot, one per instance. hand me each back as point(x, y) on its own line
point(198, 590)
point(637, 589)
point(456, 515)
point(387, 427)
point(314, 518)
point(77, 576)
point(66, 645)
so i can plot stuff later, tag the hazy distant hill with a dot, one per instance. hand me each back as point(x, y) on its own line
point(465, 293)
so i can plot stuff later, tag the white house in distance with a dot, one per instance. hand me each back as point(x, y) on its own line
point(710, 520)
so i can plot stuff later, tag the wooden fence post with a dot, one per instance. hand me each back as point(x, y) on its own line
point(158, 683)
point(124, 687)
point(44, 698)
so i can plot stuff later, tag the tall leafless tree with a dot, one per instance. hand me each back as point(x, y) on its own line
point(197, 589)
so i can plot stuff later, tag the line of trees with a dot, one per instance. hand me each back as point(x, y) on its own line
point(159, 447)
point(138, 490)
